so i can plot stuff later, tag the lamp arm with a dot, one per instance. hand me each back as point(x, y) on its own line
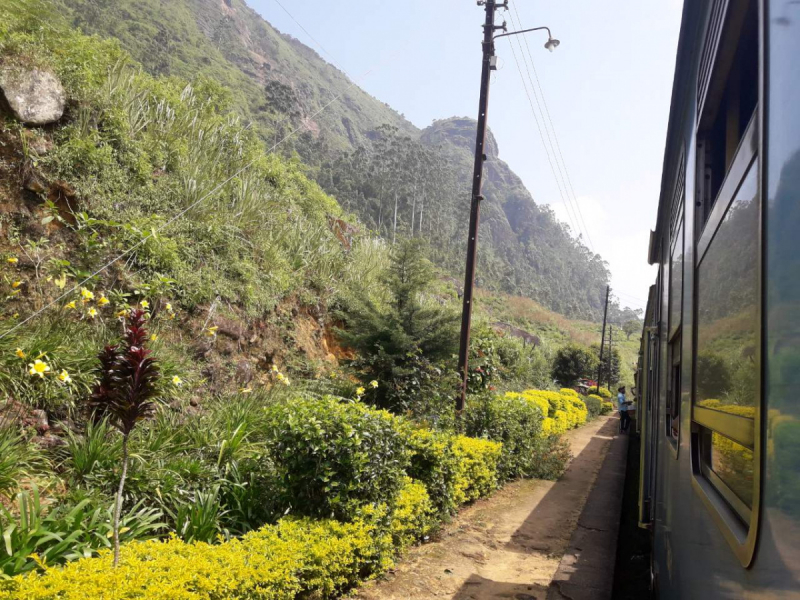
point(550, 35)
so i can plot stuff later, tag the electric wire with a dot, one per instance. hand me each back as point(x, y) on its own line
point(557, 146)
point(313, 39)
point(570, 217)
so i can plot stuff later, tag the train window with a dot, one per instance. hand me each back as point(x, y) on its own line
point(673, 416)
point(728, 104)
point(676, 282)
point(728, 328)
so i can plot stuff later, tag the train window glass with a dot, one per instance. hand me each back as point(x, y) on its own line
point(730, 105)
point(676, 282)
point(728, 323)
point(674, 391)
point(730, 467)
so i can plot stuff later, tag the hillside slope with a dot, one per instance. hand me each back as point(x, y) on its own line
point(541, 259)
point(281, 85)
point(278, 82)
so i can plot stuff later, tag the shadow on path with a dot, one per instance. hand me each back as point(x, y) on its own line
point(542, 532)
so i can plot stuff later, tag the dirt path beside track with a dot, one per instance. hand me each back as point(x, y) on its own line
point(507, 546)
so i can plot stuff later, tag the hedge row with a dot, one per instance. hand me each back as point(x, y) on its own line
point(361, 485)
point(298, 556)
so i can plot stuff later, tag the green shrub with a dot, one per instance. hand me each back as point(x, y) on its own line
point(594, 404)
point(477, 468)
point(434, 463)
point(514, 422)
point(333, 457)
point(572, 362)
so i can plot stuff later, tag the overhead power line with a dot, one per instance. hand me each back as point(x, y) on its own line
point(557, 147)
point(313, 39)
point(572, 219)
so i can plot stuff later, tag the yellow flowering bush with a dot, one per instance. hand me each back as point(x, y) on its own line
point(476, 474)
point(414, 515)
point(564, 408)
point(296, 557)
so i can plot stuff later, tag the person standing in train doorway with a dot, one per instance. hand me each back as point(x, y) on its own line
point(624, 417)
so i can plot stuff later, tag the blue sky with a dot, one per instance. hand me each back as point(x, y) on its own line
point(607, 88)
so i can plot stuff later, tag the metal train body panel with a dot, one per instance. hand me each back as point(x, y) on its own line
point(719, 367)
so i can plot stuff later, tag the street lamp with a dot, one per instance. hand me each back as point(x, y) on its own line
point(489, 64)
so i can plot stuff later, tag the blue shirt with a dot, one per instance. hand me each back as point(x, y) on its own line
point(621, 400)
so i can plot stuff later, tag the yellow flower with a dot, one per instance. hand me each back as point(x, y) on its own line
point(333, 375)
point(360, 391)
point(373, 384)
point(212, 331)
point(16, 284)
point(245, 390)
point(144, 304)
point(12, 260)
point(286, 381)
point(38, 368)
point(153, 337)
point(274, 368)
point(281, 377)
point(122, 313)
point(92, 313)
point(103, 300)
point(64, 376)
point(177, 381)
point(19, 352)
point(169, 307)
point(87, 295)
point(70, 305)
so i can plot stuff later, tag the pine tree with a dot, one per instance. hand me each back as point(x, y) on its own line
point(400, 344)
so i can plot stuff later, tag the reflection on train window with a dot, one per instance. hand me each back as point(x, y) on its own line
point(729, 466)
point(729, 106)
point(727, 369)
point(674, 391)
point(676, 283)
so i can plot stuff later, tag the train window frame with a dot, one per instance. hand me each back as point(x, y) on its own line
point(721, 97)
point(739, 526)
point(674, 392)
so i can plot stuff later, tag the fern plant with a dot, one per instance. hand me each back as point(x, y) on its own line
point(125, 393)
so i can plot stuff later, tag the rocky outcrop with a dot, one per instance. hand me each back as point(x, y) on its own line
point(35, 96)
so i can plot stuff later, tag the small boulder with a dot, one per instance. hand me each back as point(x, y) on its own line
point(36, 96)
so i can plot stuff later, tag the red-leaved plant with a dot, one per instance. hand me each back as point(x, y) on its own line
point(125, 393)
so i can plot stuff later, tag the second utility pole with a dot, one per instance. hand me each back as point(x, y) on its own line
point(603, 341)
point(477, 185)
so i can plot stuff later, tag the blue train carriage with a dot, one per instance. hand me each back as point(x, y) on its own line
point(719, 370)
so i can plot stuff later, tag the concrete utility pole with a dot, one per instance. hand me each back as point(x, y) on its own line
point(602, 340)
point(489, 65)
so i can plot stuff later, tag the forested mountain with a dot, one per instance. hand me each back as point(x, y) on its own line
point(397, 179)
